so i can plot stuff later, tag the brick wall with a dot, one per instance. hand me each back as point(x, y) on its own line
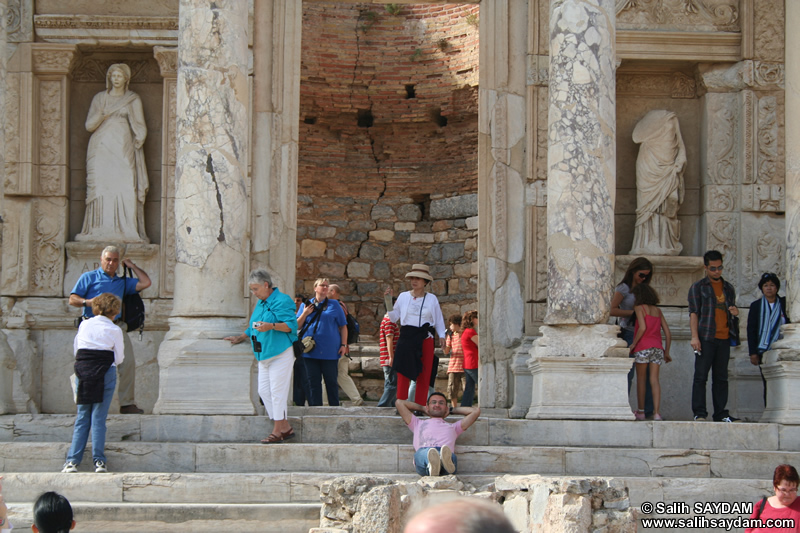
point(388, 123)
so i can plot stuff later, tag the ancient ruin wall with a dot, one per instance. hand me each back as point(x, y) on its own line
point(388, 124)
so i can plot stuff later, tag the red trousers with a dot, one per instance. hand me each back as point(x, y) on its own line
point(423, 380)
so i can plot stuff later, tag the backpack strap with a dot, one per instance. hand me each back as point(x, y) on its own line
point(761, 507)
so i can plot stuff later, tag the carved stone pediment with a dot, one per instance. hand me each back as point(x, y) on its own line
point(696, 15)
point(92, 29)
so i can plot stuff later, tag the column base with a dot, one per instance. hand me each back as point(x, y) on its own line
point(579, 373)
point(523, 380)
point(781, 369)
point(203, 375)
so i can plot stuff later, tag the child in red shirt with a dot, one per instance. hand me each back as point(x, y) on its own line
point(647, 348)
point(455, 369)
point(469, 345)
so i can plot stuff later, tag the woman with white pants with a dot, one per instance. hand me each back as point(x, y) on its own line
point(272, 330)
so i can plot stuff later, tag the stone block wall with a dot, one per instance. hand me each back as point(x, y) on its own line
point(365, 245)
point(388, 152)
point(532, 503)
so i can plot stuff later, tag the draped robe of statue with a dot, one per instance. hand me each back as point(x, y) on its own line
point(116, 175)
point(659, 184)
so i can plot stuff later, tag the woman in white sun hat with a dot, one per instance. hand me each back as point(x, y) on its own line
point(420, 321)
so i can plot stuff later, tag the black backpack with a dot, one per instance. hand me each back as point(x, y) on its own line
point(353, 329)
point(132, 306)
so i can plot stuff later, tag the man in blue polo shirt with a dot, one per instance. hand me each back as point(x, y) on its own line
point(105, 279)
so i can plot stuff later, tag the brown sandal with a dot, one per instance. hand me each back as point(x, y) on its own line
point(273, 438)
point(288, 435)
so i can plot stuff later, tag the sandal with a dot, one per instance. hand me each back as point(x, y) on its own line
point(273, 438)
point(288, 435)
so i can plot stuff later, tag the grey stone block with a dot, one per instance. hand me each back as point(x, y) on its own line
point(455, 207)
point(716, 436)
point(382, 212)
point(637, 462)
point(409, 213)
point(207, 488)
point(296, 457)
point(749, 465)
point(569, 433)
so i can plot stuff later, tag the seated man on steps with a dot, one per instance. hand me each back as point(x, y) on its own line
point(435, 439)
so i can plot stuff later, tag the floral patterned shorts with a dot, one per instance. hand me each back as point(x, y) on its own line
point(650, 355)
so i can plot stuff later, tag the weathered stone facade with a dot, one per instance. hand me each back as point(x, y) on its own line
point(353, 155)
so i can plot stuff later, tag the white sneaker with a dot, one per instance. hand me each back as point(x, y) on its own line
point(100, 466)
point(69, 468)
point(434, 462)
point(447, 460)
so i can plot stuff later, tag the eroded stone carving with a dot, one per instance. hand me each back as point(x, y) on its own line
point(19, 21)
point(719, 14)
point(722, 158)
point(95, 70)
point(50, 138)
point(659, 184)
point(116, 175)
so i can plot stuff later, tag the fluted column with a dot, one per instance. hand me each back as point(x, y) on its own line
point(574, 373)
point(200, 373)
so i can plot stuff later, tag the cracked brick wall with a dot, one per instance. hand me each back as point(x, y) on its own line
point(388, 125)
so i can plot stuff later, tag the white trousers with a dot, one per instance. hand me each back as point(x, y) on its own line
point(275, 381)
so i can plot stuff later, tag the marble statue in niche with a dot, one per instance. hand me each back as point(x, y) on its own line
point(116, 175)
point(659, 184)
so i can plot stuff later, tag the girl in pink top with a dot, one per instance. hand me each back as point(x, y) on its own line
point(647, 347)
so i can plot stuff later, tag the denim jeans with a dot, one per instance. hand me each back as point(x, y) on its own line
point(93, 415)
point(389, 387)
point(318, 369)
point(469, 388)
point(421, 461)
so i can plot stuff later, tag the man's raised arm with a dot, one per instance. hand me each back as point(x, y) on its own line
point(404, 407)
point(471, 414)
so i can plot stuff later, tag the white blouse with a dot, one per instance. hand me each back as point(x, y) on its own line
point(100, 333)
point(407, 310)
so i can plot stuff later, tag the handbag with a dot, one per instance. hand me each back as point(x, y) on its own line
point(734, 331)
point(132, 306)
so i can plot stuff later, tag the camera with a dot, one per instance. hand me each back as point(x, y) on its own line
point(256, 344)
point(698, 354)
point(256, 324)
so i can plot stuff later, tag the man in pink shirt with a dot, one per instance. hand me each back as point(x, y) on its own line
point(435, 439)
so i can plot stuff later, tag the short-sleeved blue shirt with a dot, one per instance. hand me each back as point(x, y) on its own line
point(96, 282)
point(327, 336)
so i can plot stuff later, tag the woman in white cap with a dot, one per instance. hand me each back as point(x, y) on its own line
point(420, 318)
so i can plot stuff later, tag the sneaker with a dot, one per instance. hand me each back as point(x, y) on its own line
point(69, 468)
point(639, 415)
point(130, 410)
point(699, 419)
point(729, 419)
point(434, 462)
point(100, 466)
point(358, 402)
point(447, 460)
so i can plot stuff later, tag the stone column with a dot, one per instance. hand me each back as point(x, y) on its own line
point(501, 194)
point(200, 373)
point(579, 365)
point(276, 120)
point(6, 355)
point(782, 363)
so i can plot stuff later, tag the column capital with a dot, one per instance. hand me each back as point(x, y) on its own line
point(52, 58)
point(167, 58)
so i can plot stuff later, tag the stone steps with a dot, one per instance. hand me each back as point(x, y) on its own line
point(163, 517)
point(373, 425)
point(395, 458)
point(204, 473)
